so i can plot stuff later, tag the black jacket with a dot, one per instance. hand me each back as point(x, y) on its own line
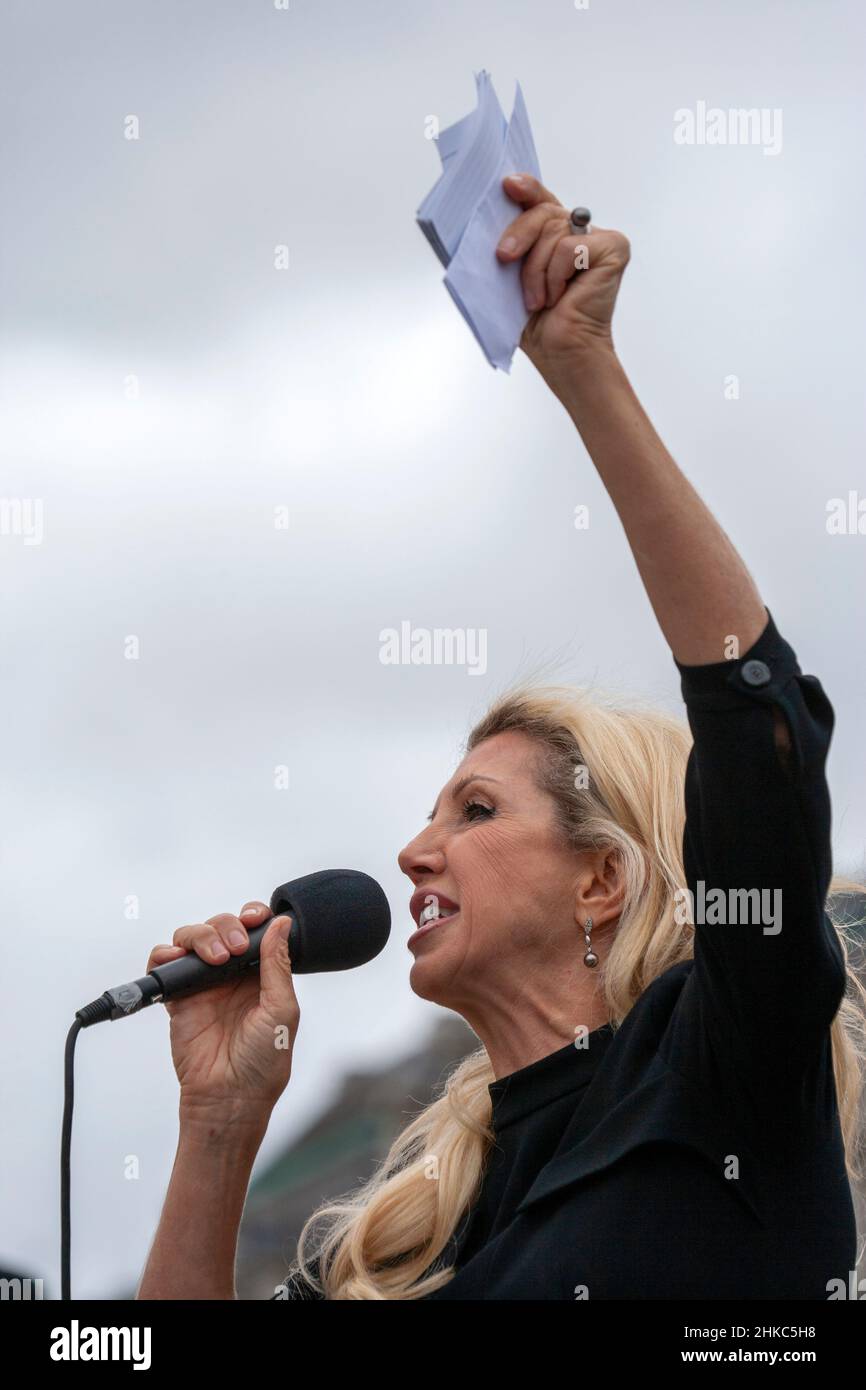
point(701, 1155)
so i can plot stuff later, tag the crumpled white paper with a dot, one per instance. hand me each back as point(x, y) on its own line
point(467, 210)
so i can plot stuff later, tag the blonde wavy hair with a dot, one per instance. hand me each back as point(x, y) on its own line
point(386, 1240)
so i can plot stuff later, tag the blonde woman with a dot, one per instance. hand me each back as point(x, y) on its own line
point(631, 919)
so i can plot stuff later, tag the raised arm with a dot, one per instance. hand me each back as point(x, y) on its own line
point(700, 590)
point(757, 806)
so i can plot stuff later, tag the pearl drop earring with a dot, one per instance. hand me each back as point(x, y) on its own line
point(590, 959)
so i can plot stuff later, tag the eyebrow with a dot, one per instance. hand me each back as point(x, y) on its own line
point(459, 787)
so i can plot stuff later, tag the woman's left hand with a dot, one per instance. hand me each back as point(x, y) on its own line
point(570, 281)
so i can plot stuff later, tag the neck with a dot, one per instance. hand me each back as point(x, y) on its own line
point(524, 1021)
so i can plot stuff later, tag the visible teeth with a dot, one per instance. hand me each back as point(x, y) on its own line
point(432, 912)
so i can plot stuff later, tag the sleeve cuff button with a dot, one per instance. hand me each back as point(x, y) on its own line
point(756, 673)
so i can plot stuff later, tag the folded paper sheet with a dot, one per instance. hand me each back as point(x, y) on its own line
point(467, 210)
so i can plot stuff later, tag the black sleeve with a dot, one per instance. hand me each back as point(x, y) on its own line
point(769, 972)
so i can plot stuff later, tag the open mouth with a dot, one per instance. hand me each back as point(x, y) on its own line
point(432, 917)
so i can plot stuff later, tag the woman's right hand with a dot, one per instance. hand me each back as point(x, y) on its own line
point(570, 297)
point(232, 1045)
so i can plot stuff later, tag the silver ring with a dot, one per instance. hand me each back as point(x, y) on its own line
point(580, 221)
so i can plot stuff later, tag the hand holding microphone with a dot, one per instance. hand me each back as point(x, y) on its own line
point(231, 1045)
point(227, 983)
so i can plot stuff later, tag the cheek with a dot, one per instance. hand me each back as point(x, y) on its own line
point(506, 876)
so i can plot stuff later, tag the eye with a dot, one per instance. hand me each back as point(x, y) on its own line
point(471, 809)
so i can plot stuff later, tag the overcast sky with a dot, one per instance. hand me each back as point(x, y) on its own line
point(420, 485)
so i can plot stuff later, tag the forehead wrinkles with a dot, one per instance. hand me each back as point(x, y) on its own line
point(516, 769)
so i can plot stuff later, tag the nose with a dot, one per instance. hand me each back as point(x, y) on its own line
point(421, 856)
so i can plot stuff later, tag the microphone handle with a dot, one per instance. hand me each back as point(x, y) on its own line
point(175, 980)
point(190, 974)
point(321, 905)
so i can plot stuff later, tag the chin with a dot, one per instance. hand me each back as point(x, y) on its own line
point(423, 981)
point(429, 978)
point(424, 988)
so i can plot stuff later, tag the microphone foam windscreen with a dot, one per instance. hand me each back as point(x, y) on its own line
point(340, 919)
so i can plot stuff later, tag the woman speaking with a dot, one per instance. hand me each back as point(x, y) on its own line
point(633, 918)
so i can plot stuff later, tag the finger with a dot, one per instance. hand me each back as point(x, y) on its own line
point(584, 252)
point(207, 943)
point(527, 190)
point(570, 255)
point(275, 972)
point(533, 272)
point(160, 954)
point(255, 913)
point(521, 235)
point(231, 931)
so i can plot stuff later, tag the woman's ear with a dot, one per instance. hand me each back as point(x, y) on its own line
point(600, 888)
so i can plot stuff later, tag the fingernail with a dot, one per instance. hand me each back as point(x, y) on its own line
point(533, 302)
point(218, 951)
point(517, 178)
point(285, 928)
point(249, 911)
point(508, 244)
point(237, 938)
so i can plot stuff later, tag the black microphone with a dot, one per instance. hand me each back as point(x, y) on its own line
point(340, 919)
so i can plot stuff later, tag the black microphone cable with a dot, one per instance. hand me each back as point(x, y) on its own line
point(65, 1149)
